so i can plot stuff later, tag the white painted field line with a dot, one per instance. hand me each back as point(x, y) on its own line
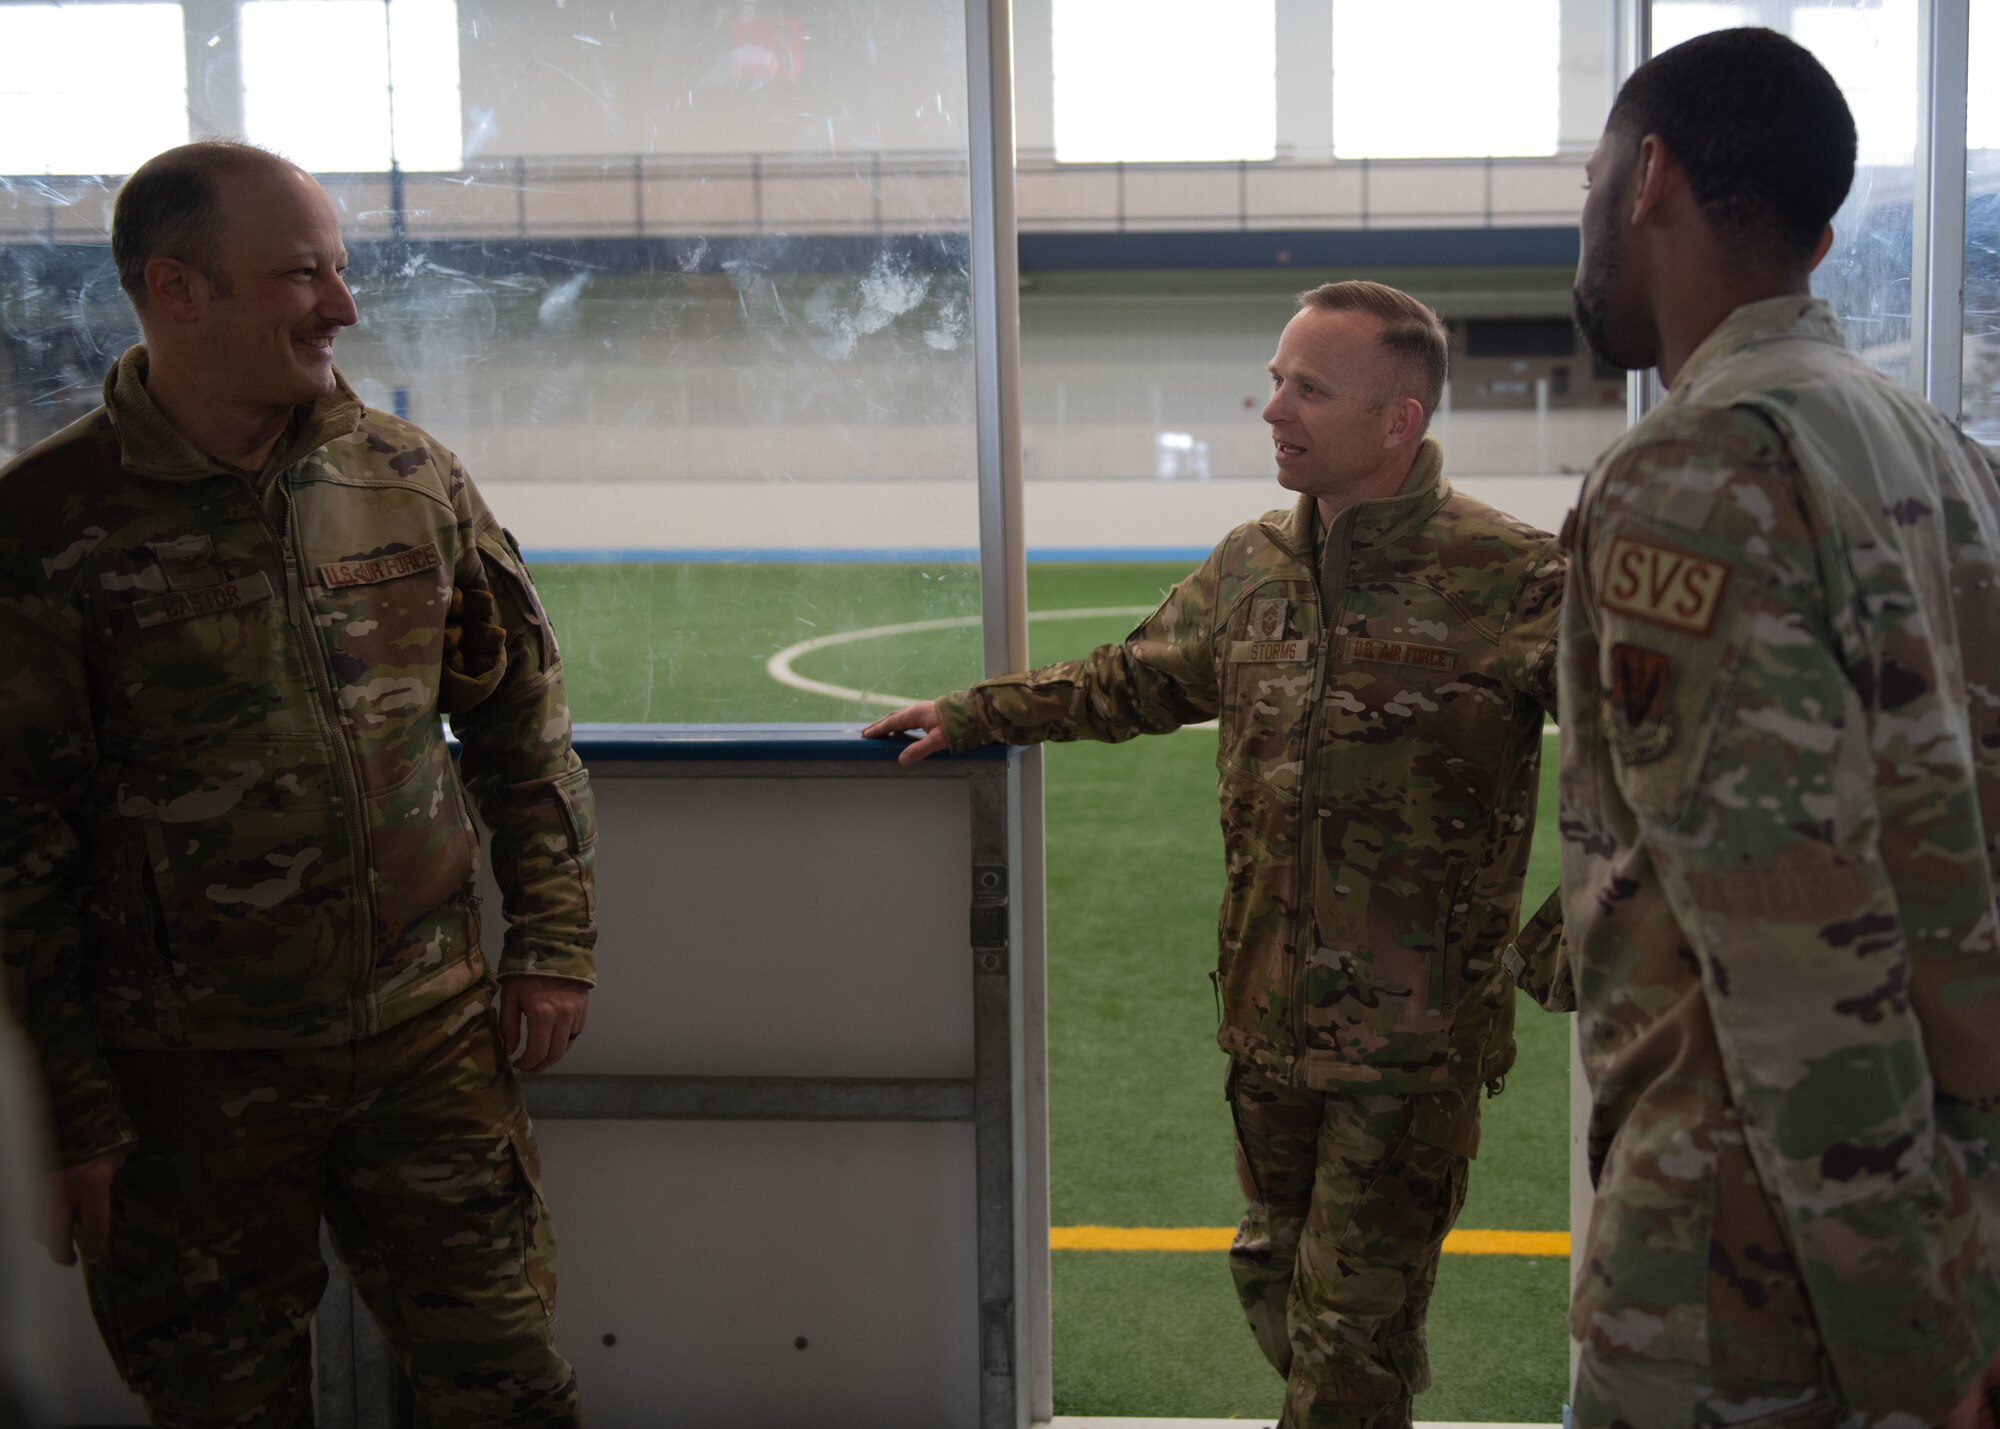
point(779, 666)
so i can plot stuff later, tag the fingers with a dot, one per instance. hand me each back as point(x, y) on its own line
point(93, 1220)
point(543, 1029)
point(510, 1020)
point(56, 1233)
point(918, 750)
point(553, 1021)
point(921, 715)
point(78, 1214)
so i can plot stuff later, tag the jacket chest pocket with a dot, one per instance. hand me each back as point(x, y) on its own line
point(1409, 670)
point(1270, 676)
point(383, 620)
point(212, 657)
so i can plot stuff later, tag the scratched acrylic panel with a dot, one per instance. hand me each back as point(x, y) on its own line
point(1981, 385)
point(1870, 48)
point(685, 287)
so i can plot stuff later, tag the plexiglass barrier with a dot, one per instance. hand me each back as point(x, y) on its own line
point(1870, 48)
point(720, 384)
point(1980, 389)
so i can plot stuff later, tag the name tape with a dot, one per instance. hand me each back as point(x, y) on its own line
point(206, 600)
point(1270, 652)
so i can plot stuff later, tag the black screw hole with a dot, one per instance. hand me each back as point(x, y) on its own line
point(610, 1340)
point(799, 1343)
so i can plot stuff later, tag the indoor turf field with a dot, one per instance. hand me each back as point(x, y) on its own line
point(1139, 1133)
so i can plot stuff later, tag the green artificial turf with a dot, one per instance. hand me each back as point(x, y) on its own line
point(1139, 1134)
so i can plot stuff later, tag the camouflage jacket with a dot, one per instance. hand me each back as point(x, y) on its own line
point(1780, 800)
point(1380, 720)
point(228, 816)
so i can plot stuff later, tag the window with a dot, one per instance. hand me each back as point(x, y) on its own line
point(1164, 80)
point(58, 114)
point(1872, 55)
point(1674, 22)
point(1980, 386)
point(398, 59)
point(1492, 89)
point(1869, 47)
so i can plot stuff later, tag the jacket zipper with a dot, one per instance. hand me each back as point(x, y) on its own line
point(327, 707)
point(1331, 600)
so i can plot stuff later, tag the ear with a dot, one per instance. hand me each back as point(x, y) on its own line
point(1403, 422)
point(1654, 173)
point(1821, 248)
point(175, 290)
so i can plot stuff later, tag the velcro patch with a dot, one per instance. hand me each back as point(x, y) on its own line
point(1267, 619)
point(1641, 717)
point(188, 562)
point(1270, 652)
point(335, 574)
point(1400, 652)
point(208, 600)
point(1658, 583)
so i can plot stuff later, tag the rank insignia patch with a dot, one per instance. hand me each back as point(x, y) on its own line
point(1657, 583)
point(188, 562)
point(1267, 619)
point(1640, 716)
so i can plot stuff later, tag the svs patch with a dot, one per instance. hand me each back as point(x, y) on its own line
point(1657, 583)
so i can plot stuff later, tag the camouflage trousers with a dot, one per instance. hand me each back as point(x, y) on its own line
point(1350, 1196)
point(1725, 1336)
point(414, 1146)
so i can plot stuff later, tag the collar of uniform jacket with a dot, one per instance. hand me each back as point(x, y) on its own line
point(150, 445)
point(1785, 319)
point(1372, 523)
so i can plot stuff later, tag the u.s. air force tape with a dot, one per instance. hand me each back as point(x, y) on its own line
point(387, 567)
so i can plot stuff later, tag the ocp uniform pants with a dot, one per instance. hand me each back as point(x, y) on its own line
point(415, 1147)
point(1350, 1196)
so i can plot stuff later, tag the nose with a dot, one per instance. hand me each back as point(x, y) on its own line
point(337, 303)
point(1276, 410)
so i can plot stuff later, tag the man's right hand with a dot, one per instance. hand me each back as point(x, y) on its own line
point(79, 1209)
point(921, 716)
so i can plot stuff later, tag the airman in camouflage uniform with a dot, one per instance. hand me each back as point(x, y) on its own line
point(1380, 658)
point(237, 880)
point(1780, 799)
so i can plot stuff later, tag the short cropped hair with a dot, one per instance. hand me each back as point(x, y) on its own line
point(1762, 130)
point(1412, 336)
point(171, 207)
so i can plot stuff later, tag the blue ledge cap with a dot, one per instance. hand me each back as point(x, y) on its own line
point(687, 743)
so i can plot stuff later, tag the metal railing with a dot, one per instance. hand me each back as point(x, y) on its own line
point(728, 195)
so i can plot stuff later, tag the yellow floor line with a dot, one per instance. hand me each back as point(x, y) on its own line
point(1218, 1238)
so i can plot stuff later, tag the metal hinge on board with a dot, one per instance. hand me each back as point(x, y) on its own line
point(989, 918)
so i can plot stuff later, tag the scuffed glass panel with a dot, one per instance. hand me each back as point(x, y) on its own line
point(1981, 388)
point(692, 306)
point(1869, 47)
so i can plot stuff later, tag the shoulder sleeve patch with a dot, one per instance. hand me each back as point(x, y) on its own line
point(1649, 580)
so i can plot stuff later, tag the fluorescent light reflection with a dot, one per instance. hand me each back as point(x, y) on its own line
point(1484, 80)
point(90, 89)
point(1154, 81)
point(316, 82)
